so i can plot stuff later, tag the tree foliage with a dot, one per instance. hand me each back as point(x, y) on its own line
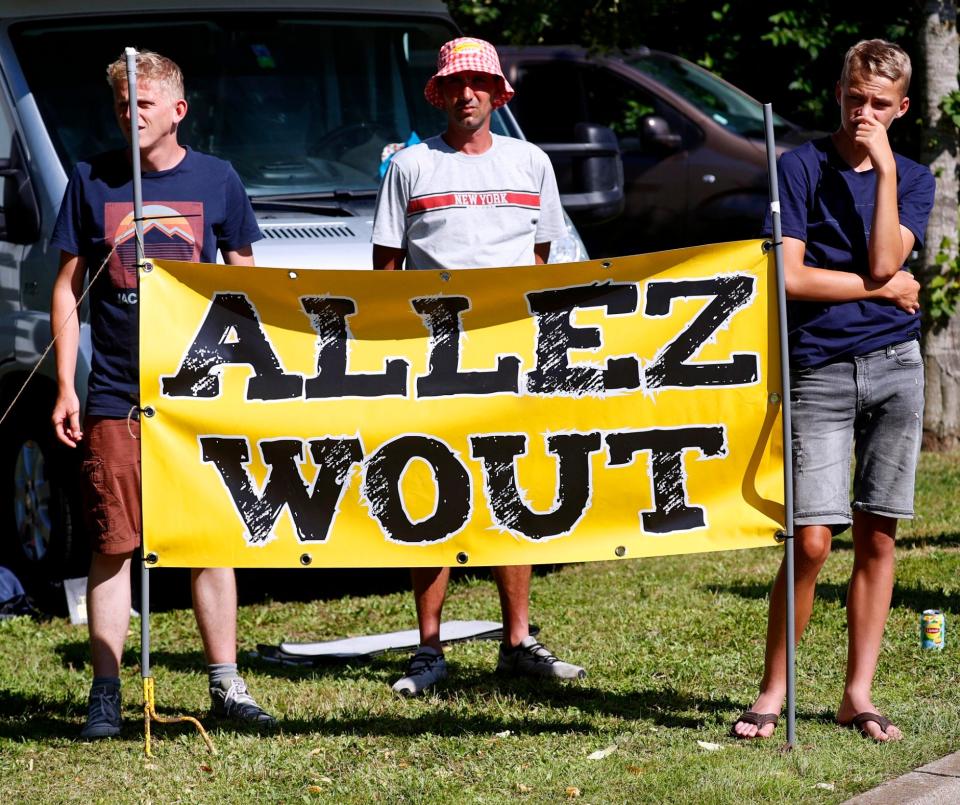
point(788, 53)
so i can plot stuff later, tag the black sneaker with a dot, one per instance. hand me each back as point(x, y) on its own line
point(103, 713)
point(531, 658)
point(427, 667)
point(230, 700)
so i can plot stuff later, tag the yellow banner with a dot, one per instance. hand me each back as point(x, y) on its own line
point(619, 408)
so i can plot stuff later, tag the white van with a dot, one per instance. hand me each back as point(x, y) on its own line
point(302, 97)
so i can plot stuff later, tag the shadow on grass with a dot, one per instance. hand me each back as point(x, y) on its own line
point(75, 654)
point(553, 708)
point(945, 539)
point(36, 717)
point(941, 540)
point(664, 707)
point(916, 598)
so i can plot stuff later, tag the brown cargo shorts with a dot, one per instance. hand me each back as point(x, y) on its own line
point(111, 484)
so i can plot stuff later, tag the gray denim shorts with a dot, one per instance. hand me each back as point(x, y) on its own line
point(872, 406)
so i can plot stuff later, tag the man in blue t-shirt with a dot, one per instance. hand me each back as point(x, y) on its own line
point(852, 211)
point(193, 205)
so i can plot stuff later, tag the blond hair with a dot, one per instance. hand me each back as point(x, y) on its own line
point(150, 67)
point(878, 57)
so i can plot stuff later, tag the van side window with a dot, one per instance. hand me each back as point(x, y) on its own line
point(19, 213)
point(6, 149)
point(6, 132)
point(622, 106)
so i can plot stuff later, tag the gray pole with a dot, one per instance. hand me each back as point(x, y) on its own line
point(131, 55)
point(787, 429)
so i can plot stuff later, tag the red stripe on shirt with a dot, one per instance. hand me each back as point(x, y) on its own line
point(487, 198)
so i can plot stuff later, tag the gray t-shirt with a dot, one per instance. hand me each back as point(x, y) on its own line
point(453, 210)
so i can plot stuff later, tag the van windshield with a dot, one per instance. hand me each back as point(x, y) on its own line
point(730, 107)
point(299, 104)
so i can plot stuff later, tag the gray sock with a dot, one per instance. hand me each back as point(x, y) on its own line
point(106, 681)
point(220, 672)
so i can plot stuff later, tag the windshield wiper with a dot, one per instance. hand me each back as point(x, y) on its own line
point(329, 202)
point(322, 195)
point(280, 203)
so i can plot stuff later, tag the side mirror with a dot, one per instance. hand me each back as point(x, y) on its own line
point(656, 132)
point(594, 171)
point(19, 215)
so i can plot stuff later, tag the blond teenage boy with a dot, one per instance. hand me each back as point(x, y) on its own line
point(852, 211)
point(198, 206)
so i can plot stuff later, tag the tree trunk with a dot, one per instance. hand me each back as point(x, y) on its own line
point(939, 44)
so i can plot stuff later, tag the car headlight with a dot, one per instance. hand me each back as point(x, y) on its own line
point(569, 248)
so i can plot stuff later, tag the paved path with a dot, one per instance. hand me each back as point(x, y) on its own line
point(937, 783)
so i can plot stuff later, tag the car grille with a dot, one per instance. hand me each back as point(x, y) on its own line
point(300, 232)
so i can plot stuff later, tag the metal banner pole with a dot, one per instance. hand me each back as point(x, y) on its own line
point(788, 546)
point(131, 57)
point(149, 708)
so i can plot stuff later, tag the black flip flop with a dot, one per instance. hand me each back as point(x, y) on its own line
point(860, 721)
point(759, 720)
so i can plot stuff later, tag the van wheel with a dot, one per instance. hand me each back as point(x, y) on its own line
point(42, 543)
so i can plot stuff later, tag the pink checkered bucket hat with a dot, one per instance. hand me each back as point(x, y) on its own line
point(466, 53)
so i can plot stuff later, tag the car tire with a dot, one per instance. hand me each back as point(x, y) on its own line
point(43, 541)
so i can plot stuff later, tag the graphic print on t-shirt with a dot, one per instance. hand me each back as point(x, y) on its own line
point(474, 198)
point(172, 230)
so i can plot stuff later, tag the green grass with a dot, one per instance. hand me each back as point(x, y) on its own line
point(674, 647)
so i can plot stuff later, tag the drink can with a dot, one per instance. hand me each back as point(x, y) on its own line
point(933, 629)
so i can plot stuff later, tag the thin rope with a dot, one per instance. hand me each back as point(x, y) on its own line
point(129, 418)
point(76, 306)
point(57, 335)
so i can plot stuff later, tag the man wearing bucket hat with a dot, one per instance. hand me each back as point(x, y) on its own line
point(469, 198)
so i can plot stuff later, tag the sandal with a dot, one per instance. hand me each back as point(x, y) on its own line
point(860, 721)
point(759, 720)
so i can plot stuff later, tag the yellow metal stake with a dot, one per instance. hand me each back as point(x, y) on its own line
point(150, 714)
